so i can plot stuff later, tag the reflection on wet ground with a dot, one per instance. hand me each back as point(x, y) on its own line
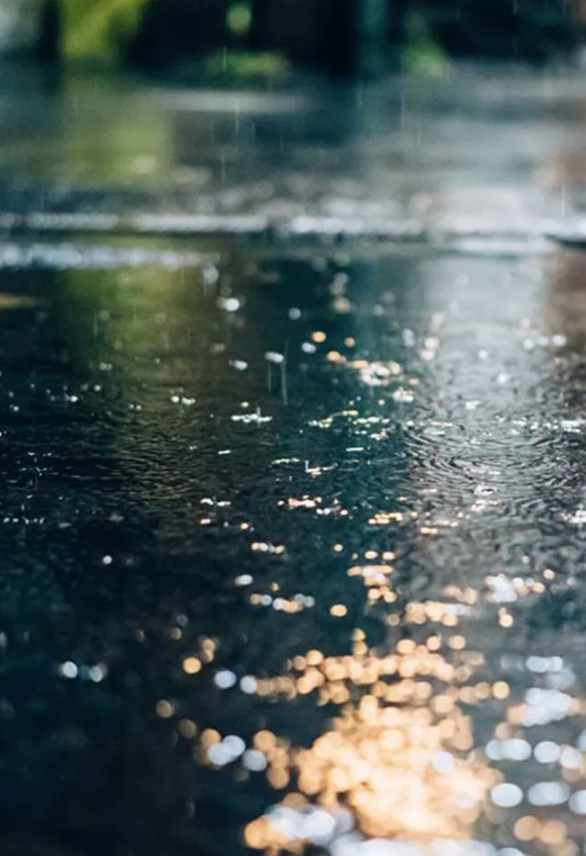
point(361, 606)
point(292, 538)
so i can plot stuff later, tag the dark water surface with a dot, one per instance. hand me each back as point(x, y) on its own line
point(293, 532)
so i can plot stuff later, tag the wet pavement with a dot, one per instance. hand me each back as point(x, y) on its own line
point(292, 454)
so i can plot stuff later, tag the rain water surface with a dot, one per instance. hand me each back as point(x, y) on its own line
point(292, 546)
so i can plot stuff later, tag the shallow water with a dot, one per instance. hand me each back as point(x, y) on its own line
point(293, 526)
point(331, 507)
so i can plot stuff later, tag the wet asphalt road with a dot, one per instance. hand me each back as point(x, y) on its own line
point(293, 504)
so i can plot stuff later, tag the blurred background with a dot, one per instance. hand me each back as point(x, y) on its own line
point(240, 38)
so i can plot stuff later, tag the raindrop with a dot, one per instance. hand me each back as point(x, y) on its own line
point(578, 802)
point(68, 670)
point(234, 745)
point(548, 793)
point(249, 685)
point(506, 795)
point(219, 755)
point(254, 761)
point(546, 752)
point(225, 679)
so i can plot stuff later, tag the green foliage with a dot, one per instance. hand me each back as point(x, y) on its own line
point(239, 19)
point(100, 29)
point(422, 54)
point(244, 64)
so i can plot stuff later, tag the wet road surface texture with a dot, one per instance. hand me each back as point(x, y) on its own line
point(292, 448)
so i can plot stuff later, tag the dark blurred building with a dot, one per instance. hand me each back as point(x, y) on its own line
point(341, 37)
point(364, 37)
point(174, 30)
point(534, 30)
point(50, 32)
